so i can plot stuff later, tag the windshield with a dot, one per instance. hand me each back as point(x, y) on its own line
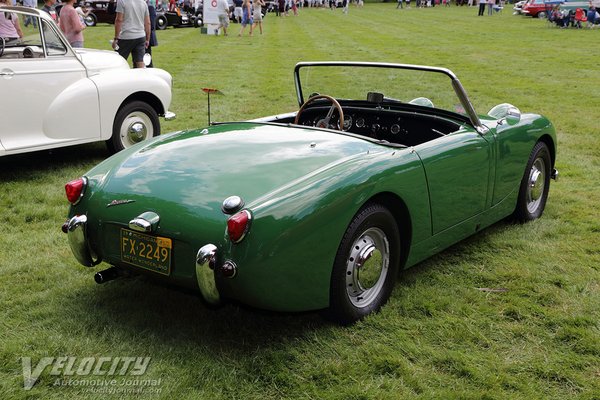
point(425, 86)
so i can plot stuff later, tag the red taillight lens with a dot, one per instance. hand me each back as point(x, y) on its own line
point(238, 225)
point(74, 190)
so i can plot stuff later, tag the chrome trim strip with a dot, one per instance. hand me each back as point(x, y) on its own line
point(206, 261)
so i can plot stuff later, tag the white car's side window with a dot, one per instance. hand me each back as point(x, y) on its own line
point(28, 46)
point(54, 45)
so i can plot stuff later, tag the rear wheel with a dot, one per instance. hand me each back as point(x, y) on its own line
point(366, 265)
point(535, 184)
point(135, 122)
point(541, 15)
point(161, 23)
point(90, 20)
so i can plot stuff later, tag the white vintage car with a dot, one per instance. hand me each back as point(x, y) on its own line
point(52, 95)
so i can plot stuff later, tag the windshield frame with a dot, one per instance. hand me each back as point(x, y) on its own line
point(456, 85)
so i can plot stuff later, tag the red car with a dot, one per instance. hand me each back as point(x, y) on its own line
point(539, 8)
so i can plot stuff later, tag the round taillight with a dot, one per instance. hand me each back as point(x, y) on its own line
point(238, 225)
point(75, 189)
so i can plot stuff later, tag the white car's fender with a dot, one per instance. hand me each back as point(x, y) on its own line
point(117, 87)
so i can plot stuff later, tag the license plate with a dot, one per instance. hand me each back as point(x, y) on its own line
point(145, 251)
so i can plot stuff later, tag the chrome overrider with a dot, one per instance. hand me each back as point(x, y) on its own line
point(76, 233)
point(206, 261)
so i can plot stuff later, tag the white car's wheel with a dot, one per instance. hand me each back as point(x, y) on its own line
point(135, 122)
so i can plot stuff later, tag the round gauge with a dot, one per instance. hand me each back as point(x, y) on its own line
point(347, 122)
point(395, 129)
point(360, 122)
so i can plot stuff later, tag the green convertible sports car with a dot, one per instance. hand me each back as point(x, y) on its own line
point(382, 166)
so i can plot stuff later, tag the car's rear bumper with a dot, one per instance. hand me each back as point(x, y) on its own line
point(76, 230)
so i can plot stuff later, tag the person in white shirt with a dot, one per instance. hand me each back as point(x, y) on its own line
point(223, 10)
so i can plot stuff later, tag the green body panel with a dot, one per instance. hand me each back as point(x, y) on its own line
point(303, 186)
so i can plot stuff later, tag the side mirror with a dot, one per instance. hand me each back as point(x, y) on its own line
point(505, 113)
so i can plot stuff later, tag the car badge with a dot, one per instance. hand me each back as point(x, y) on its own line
point(119, 202)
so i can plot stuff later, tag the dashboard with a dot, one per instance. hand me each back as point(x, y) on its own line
point(401, 127)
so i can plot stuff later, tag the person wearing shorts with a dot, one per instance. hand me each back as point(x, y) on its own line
point(257, 14)
point(132, 30)
point(223, 13)
point(237, 11)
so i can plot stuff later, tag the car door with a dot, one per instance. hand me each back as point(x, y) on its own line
point(457, 167)
point(49, 99)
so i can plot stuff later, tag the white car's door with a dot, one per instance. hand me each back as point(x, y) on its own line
point(46, 97)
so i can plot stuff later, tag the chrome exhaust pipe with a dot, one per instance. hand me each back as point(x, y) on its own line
point(107, 275)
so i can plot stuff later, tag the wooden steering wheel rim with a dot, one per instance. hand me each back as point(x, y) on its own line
point(322, 96)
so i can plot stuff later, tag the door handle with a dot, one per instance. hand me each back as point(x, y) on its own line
point(7, 73)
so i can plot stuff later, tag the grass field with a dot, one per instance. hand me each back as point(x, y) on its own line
point(438, 337)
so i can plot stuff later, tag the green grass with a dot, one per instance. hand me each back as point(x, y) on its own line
point(438, 337)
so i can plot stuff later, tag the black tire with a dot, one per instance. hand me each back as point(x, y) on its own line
point(161, 23)
point(535, 184)
point(371, 246)
point(135, 121)
point(541, 15)
point(90, 20)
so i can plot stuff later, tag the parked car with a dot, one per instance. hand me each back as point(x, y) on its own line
point(60, 96)
point(100, 11)
point(317, 208)
point(539, 8)
point(177, 19)
point(518, 7)
point(571, 6)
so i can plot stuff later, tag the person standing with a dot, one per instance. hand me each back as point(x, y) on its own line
point(10, 28)
point(153, 40)
point(237, 11)
point(71, 25)
point(246, 17)
point(257, 14)
point(481, 7)
point(399, 4)
point(49, 8)
point(132, 30)
point(30, 19)
point(223, 14)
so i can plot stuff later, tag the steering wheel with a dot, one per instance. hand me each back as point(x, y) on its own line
point(324, 123)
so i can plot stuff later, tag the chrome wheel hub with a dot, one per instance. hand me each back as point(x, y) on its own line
point(536, 186)
point(367, 267)
point(136, 128)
